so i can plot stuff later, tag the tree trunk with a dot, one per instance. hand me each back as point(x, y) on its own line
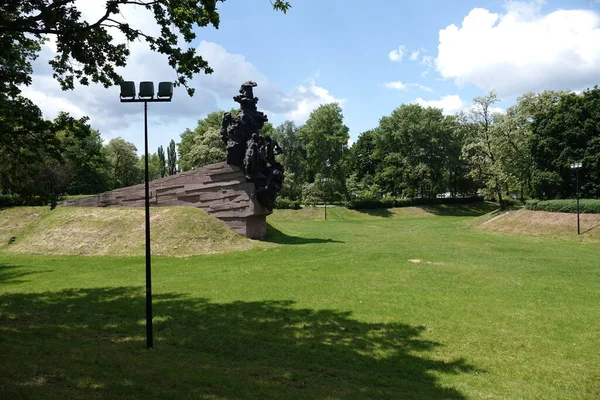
point(502, 207)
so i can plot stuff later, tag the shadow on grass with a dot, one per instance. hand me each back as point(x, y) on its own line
point(590, 229)
point(274, 235)
point(89, 343)
point(461, 210)
point(10, 274)
point(377, 212)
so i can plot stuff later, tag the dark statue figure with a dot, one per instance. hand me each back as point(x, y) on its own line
point(250, 151)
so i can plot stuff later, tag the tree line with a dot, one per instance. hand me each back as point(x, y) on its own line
point(418, 151)
point(43, 159)
point(415, 151)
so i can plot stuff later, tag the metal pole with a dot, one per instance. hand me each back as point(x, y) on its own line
point(149, 339)
point(577, 173)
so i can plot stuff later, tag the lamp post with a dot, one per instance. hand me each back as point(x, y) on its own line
point(146, 95)
point(577, 167)
point(325, 180)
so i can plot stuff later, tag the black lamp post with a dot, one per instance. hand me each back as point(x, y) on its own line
point(325, 181)
point(146, 95)
point(577, 167)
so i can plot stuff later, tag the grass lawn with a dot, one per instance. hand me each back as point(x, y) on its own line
point(382, 305)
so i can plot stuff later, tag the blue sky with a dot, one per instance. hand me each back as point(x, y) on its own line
point(370, 58)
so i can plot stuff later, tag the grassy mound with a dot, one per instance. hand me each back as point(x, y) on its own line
point(335, 213)
point(176, 231)
point(545, 224)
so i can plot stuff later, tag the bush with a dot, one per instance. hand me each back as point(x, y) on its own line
point(391, 202)
point(282, 203)
point(14, 200)
point(586, 206)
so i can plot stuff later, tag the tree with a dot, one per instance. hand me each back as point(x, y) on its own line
point(162, 162)
point(325, 138)
point(565, 129)
point(123, 162)
point(26, 140)
point(483, 147)
point(154, 166)
point(171, 158)
point(414, 146)
point(191, 138)
point(86, 50)
point(84, 163)
point(292, 159)
point(207, 149)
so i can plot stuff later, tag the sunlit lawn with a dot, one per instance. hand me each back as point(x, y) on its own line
point(337, 310)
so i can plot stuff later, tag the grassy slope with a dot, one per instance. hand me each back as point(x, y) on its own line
point(176, 231)
point(336, 310)
point(546, 224)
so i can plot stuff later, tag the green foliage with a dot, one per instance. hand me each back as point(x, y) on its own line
point(87, 51)
point(207, 149)
point(189, 137)
point(293, 159)
point(123, 163)
point(195, 150)
point(566, 129)
point(84, 166)
point(154, 166)
point(325, 138)
point(282, 203)
point(171, 158)
point(414, 145)
point(586, 206)
point(162, 161)
point(391, 202)
point(14, 200)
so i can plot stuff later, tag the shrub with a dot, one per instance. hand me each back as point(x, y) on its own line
point(282, 203)
point(390, 202)
point(14, 200)
point(586, 206)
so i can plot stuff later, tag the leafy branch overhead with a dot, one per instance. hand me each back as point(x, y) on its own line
point(86, 50)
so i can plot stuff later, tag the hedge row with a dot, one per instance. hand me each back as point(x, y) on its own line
point(394, 202)
point(10, 200)
point(287, 204)
point(587, 206)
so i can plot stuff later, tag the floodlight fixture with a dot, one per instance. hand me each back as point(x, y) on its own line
point(128, 90)
point(165, 90)
point(146, 90)
point(576, 165)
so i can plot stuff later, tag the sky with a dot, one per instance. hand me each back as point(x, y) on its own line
point(370, 57)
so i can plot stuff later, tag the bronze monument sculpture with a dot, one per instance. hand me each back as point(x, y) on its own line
point(248, 150)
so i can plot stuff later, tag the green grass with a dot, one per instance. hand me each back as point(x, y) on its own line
point(334, 309)
point(176, 231)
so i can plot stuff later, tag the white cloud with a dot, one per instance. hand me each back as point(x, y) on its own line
point(449, 104)
point(397, 54)
point(233, 69)
point(395, 85)
point(115, 119)
point(304, 99)
point(398, 85)
point(452, 104)
point(414, 56)
point(523, 49)
point(428, 61)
